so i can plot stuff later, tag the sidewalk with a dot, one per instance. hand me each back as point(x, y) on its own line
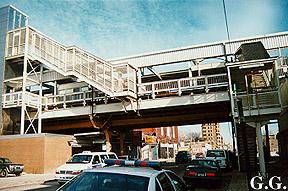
point(24, 179)
point(238, 182)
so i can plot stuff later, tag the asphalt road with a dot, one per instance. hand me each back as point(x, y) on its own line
point(177, 168)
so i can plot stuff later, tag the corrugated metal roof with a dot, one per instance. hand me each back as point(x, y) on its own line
point(270, 42)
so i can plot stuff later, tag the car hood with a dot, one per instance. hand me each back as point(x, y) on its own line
point(74, 166)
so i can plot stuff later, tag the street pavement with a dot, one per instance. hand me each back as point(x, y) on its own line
point(13, 181)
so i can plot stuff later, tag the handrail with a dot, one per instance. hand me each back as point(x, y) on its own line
point(74, 61)
point(184, 84)
point(259, 100)
point(16, 98)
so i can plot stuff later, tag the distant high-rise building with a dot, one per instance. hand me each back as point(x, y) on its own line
point(211, 134)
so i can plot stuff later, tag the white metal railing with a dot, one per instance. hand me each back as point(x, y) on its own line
point(183, 84)
point(259, 100)
point(12, 99)
point(15, 99)
point(70, 98)
point(95, 71)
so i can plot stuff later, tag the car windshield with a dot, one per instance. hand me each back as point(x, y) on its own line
point(204, 163)
point(98, 181)
point(5, 160)
point(80, 159)
point(182, 153)
point(215, 154)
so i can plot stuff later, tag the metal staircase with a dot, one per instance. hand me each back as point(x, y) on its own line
point(114, 80)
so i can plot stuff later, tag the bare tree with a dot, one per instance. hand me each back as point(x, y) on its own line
point(193, 136)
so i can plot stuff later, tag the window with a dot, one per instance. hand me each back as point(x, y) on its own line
point(179, 185)
point(80, 159)
point(165, 182)
point(112, 156)
point(158, 188)
point(204, 163)
point(215, 153)
point(92, 181)
point(96, 159)
point(103, 157)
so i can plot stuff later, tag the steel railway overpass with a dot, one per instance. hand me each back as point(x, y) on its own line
point(49, 87)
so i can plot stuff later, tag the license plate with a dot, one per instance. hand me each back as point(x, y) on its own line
point(200, 174)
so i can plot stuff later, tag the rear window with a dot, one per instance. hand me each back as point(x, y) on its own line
point(97, 181)
point(112, 156)
point(204, 163)
point(80, 159)
point(183, 153)
point(212, 153)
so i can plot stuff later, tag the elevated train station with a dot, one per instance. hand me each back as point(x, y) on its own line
point(51, 88)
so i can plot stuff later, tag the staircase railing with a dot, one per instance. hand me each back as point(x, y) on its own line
point(114, 80)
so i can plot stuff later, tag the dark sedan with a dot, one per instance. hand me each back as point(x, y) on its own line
point(183, 157)
point(202, 170)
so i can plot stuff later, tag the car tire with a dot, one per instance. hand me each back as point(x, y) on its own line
point(3, 173)
point(18, 174)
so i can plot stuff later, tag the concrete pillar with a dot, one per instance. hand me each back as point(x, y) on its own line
point(121, 143)
point(40, 104)
point(267, 142)
point(107, 137)
point(260, 150)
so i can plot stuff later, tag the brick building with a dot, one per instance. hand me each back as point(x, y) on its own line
point(211, 135)
point(163, 134)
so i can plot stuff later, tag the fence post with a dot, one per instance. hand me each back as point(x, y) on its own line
point(179, 87)
point(153, 91)
point(206, 84)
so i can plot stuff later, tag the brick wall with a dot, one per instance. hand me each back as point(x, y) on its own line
point(39, 153)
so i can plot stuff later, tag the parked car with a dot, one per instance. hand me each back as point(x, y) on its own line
point(205, 170)
point(223, 157)
point(183, 157)
point(80, 162)
point(7, 167)
point(129, 176)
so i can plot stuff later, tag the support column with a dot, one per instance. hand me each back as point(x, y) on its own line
point(121, 143)
point(23, 105)
point(260, 150)
point(267, 143)
point(40, 104)
point(107, 137)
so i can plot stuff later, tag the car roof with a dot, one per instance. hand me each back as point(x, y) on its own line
point(94, 153)
point(202, 159)
point(137, 171)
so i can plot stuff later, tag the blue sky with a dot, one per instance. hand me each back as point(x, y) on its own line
point(117, 28)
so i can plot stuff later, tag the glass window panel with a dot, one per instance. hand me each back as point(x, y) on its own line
point(10, 19)
point(17, 20)
point(23, 19)
point(165, 182)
